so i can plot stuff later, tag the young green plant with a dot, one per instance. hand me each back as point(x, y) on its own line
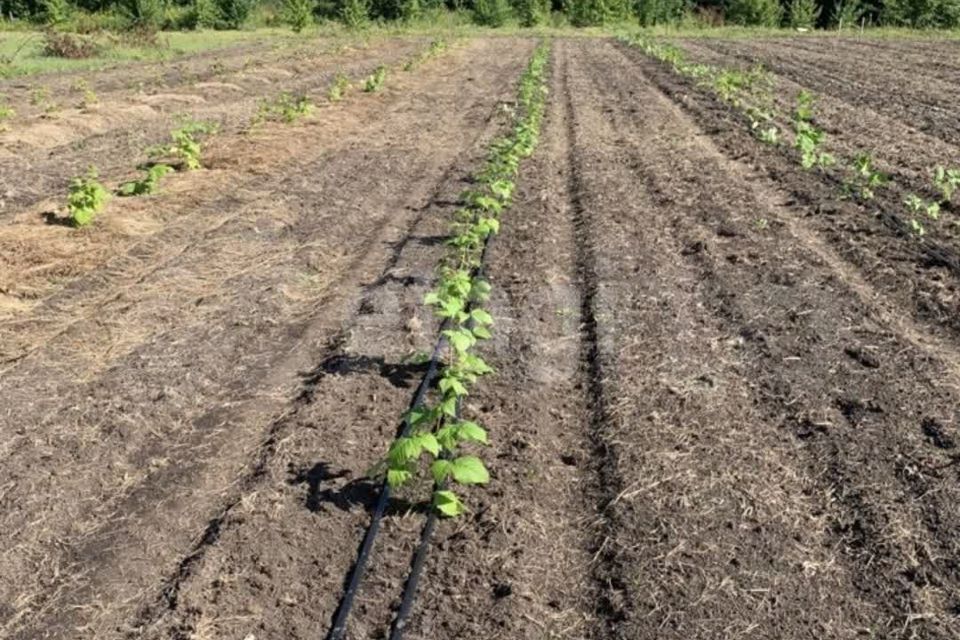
point(86, 199)
point(146, 185)
point(185, 144)
point(338, 88)
point(375, 80)
point(437, 430)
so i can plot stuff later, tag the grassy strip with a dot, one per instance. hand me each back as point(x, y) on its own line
point(436, 432)
point(22, 52)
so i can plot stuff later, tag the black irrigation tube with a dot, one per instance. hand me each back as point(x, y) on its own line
point(339, 627)
point(398, 626)
point(419, 559)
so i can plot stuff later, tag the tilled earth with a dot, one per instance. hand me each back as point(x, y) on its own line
point(725, 403)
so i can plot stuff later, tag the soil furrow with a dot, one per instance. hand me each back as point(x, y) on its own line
point(239, 354)
point(893, 262)
point(777, 321)
point(921, 103)
point(43, 157)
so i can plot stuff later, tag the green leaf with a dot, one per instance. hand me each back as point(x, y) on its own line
point(447, 503)
point(461, 340)
point(482, 333)
point(403, 451)
point(480, 316)
point(470, 470)
point(447, 437)
point(449, 406)
point(441, 470)
point(428, 442)
point(398, 477)
point(467, 430)
point(451, 383)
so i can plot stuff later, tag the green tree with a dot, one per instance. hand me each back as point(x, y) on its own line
point(55, 11)
point(490, 13)
point(529, 12)
point(654, 12)
point(754, 13)
point(298, 14)
point(803, 14)
point(943, 14)
point(354, 13)
point(584, 13)
point(142, 13)
point(233, 13)
point(846, 13)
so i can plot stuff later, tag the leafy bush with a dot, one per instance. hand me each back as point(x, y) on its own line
point(354, 13)
point(803, 14)
point(942, 14)
point(529, 12)
point(184, 144)
point(490, 13)
point(285, 108)
point(757, 13)
point(846, 13)
point(68, 45)
point(654, 12)
point(338, 87)
point(56, 11)
point(298, 14)
point(375, 80)
point(143, 13)
point(87, 197)
point(231, 14)
point(146, 185)
point(585, 13)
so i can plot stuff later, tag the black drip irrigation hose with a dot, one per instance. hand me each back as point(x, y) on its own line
point(339, 627)
point(416, 568)
point(356, 575)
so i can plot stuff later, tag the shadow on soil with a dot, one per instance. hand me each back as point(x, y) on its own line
point(400, 375)
point(359, 492)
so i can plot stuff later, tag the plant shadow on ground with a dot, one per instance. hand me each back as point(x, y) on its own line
point(400, 375)
point(362, 491)
point(51, 217)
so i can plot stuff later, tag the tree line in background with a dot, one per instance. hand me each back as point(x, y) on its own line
point(232, 14)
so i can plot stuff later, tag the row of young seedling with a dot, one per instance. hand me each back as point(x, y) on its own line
point(436, 433)
point(87, 195)
point(751, 92)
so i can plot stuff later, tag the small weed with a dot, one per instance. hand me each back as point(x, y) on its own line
point(436, 48)
point(917, 205)
point(146, 185)
point(946, 181)
point(338, 88)
point(87, 197)
point(6, 112)
point(40, 96)
point(375, 80)
point(809, 138)
point(770, 135)
point(286, 108)
point(866, 178)
point(89, 95)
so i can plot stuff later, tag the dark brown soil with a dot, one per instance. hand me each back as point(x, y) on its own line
point(724, 407)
